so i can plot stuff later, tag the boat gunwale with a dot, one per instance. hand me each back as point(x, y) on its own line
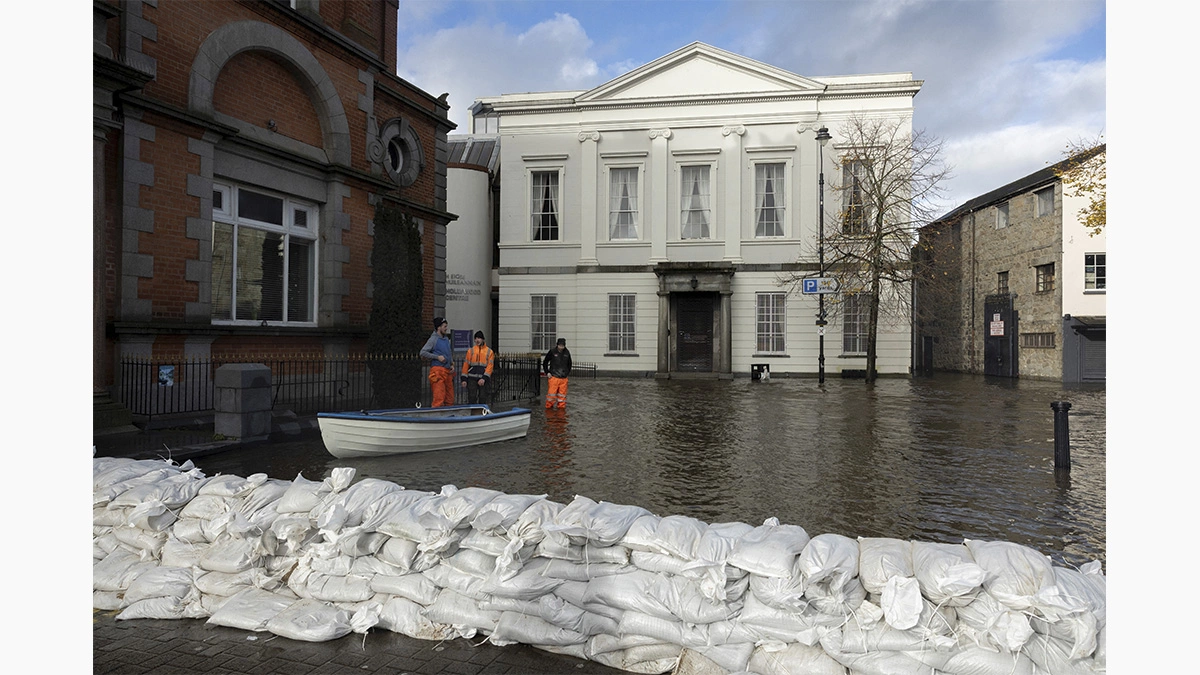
point(391, 416)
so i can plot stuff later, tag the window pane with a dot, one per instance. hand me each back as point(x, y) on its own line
point(854, 324)
point(543, 315)
point(769, 326)
point(694, 213)
point(222, 271)
point(623, 204)
point(259, 275)
point(544, 207)
point(621, 323)
point(260, 207)
point(300, 266)
point(768, 200)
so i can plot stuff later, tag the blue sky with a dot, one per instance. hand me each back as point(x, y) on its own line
point(1008, 83)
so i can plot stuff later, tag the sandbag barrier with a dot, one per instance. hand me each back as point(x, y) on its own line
point(616, 584)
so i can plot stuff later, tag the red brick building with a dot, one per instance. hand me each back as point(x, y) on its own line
point(240, 150)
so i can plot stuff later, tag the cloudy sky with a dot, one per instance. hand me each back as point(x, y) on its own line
point(1008, 83)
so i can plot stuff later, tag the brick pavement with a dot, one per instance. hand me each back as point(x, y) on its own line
point(191, 646)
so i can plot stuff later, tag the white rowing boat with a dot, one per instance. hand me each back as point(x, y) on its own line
point(371, 433)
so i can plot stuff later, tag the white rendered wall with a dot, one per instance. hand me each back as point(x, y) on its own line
point(469, 252)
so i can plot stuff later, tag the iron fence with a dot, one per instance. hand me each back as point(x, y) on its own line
point(305, 386)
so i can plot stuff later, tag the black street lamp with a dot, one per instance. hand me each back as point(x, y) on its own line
point(822, 138)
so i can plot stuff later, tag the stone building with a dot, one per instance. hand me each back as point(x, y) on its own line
point(240, 150)
point(1027, 291)
point(648, 221)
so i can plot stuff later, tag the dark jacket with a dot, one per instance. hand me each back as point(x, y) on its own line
point(556, 363)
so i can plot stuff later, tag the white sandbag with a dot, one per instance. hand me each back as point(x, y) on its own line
point(369, 566)
point(661, 563)
point(493, 545)
point(1015, 573)
point(399, 552)
point(902, 602)
point(680, 535)
point(978, 661)
point(573, 592)
point(361, 543)
point(517, 628)
point(420, 522)
point(197, 531)
point(330, 588)
point(988, 624)
point(567, 526)
point(415, 587)
point(770, 550)
point(1053, 655)
point(947, 573)
point(642, 535)
point(792, 659)
point(104, 544)
point(573, 571)
point(148, 544)
point(347, 509)
point(311, 621)
point(605, 643)
point(605, 524)
point(786, 593)
point(232, 486)
point(174, 582)
point(174, 491)
point(270, 492)
point(454, 609)
point(528, 584)
point(103, 516)
point(108, 600)
point(673, 631)
point(557, 611)
point(658, 658)
point(379, 511)
point(152, 516)
point(499, 514)
point(657, 595)
point(229, 554)
point(829, 558)
point(876, 662)
point(207, 507)
point(472, 562)
point(460, 506)
point(469, 585)
point(530, 525)
point(107, 471)
point(560, 548)
point(880, 559)
point(128, 478)
point(1074, 591)
point(302, 496)
point(229, 584)
point(251, 609)
point(159, 608)
point(770, 623)
point(402, 615)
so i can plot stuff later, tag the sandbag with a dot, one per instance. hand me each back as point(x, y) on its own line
point(251, 609)
point(770, 550)
point(947, 573)
point(401, 615)
point(311, 621)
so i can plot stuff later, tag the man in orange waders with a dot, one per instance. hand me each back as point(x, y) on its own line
point(477, 370)
point(440, 353)
point(557, 365)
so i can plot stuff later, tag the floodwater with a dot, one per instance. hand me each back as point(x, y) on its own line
point(945, 458)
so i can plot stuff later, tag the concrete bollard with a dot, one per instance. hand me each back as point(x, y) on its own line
point(243, 401)
point(1062, 436)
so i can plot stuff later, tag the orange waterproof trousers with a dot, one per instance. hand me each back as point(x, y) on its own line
point(441, 383)
point(556, 392)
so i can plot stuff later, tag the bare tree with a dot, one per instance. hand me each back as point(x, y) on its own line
point(1084, 174)
point(889, 183)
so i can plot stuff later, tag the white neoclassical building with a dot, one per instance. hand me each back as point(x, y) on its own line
point(648, 221)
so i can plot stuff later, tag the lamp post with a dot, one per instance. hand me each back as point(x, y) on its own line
point(822, 138)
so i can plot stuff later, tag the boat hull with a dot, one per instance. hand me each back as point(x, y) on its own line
point(373, 433)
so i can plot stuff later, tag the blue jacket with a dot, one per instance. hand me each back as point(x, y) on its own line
point(438, 345)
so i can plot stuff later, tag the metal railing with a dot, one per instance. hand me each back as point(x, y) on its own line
point(157, 387)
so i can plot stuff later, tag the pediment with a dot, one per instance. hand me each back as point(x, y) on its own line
point(696, 71)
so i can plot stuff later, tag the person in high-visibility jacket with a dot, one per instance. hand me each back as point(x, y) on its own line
point(557, 365)
point(440, 353)
point(477, 370)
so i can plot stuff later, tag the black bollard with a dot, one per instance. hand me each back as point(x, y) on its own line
point(1062, 436)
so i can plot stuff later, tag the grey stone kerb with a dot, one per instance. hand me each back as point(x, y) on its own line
point(232, 39)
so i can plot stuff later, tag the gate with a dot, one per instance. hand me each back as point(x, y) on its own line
point(694, 334)
point(1000, 336)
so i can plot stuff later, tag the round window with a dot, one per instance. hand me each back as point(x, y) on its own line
point(395, 155)
point(402, 157)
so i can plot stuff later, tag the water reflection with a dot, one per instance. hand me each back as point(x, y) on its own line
point(936, 459)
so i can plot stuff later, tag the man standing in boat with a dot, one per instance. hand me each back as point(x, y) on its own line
point(557, 365)
point(440, 353)
point(477, 370)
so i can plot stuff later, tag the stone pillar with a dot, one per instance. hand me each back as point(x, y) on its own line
point(243, 401)
point(733, 208)
point(657, 221)
point(589, 170)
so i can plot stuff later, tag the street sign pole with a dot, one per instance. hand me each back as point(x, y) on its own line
point(822, 138)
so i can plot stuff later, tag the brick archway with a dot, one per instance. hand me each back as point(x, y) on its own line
point(234, 38)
